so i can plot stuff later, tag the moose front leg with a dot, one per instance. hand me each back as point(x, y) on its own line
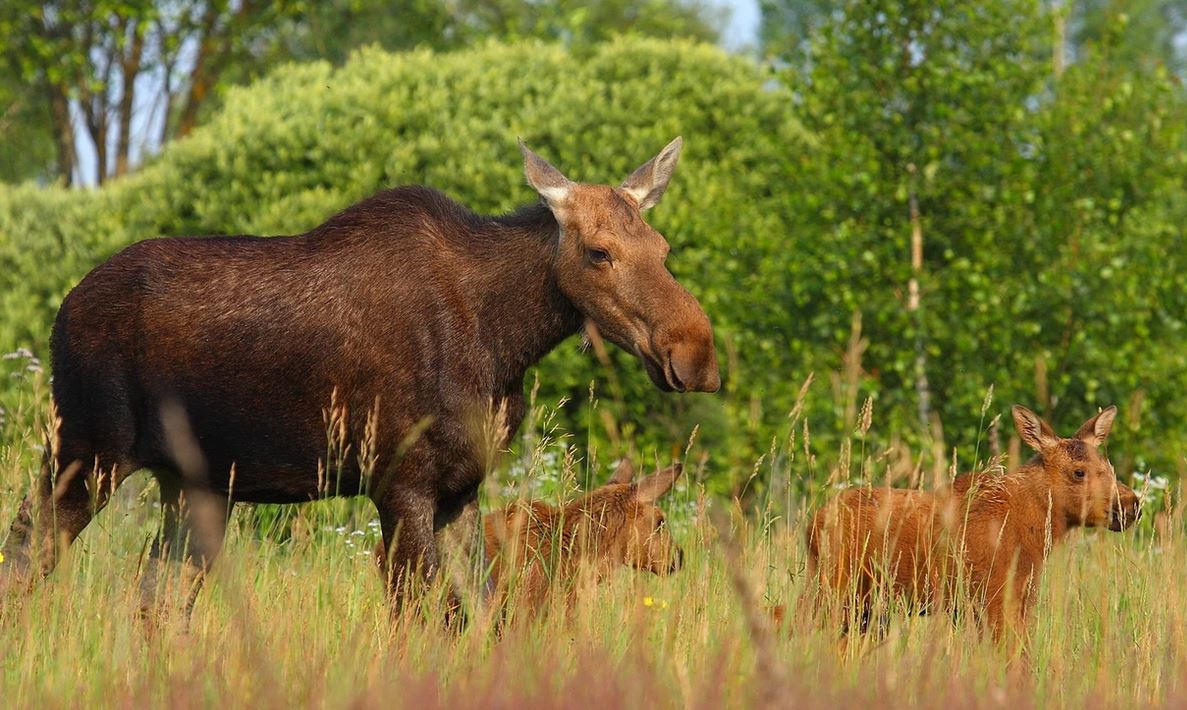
point(410, 558)
point(192, 535)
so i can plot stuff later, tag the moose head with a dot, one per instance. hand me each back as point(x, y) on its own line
point(610, 264)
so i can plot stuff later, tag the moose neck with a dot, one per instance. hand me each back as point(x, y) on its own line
point(524, 314)
point(598, 518)
point(1034, 493)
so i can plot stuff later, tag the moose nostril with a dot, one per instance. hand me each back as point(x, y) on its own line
point(693, 370)
point(673, 375)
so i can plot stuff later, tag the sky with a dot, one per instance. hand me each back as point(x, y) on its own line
point(742, 29)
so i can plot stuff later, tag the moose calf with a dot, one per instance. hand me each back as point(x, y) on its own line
point(536, 548)
point(985, 534)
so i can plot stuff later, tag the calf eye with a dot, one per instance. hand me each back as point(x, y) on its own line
point(598, 256)
point(1079, 473)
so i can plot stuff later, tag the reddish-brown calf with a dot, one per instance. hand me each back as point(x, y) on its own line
point(537, 548)
point(985, 535)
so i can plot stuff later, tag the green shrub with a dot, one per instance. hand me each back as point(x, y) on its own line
point(311, 139)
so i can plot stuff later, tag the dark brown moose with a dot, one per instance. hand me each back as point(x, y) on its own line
point(985, 536)
point(220, 363)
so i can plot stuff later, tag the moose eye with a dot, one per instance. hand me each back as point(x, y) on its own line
point(1079, 473)
point(598, 256)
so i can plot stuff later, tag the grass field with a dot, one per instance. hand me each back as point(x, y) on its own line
point(294, 615)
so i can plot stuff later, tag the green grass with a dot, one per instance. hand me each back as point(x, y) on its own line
point(294, 614)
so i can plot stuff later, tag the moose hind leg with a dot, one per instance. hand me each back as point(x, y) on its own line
point(64, 500)
point(192, 533)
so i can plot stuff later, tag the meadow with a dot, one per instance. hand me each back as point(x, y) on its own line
point(295, 614)
point(987, 219)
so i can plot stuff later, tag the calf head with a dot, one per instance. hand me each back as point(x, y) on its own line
point(610, 265)
point(1084, 489)
point(641, 539)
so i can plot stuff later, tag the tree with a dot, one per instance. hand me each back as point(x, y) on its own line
point(118, 78)
point(27, 149)
point(94, 60)
point(1134, 33)
point(1046, 204)
point(1138, 31)
point(788, 25)
point(330, 30)
point(920, 110)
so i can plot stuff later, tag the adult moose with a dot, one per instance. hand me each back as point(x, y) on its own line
point(212, 361)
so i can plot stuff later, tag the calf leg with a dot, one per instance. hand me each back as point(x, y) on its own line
point(191, 537)
point(461, 543)
point(63, 502)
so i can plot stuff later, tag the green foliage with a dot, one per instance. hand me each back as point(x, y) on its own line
point(27, 149)
point(1051, 212)
point(1047, 211)
point(188, 53)
point(1131, 33)
point(311, 139)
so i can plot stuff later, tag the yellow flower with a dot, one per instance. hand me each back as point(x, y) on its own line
point(1, 558)
point(652, 601)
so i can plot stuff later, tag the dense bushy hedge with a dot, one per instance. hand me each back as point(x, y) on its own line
point(782, 232)
point(311, 139)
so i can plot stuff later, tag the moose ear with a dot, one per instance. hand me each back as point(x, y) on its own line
point(1096, 430)
point(623, 473)
point(647, 184)
point(552, 185)
point(651, 488)
point(1034, 431)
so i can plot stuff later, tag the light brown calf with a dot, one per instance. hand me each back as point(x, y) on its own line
point(985, 536)
point(537, 548)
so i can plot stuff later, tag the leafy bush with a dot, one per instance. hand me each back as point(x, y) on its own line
point(310, 139)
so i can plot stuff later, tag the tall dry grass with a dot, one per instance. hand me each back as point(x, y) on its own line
point(294, 613)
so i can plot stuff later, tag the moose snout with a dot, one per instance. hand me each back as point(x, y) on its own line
point(678, 351)
point(692, 367)
point(1126, 509)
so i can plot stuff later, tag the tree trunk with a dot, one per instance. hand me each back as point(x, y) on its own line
point(63, 128)
point(199, 77)
point(130, 68)
point(922, 388)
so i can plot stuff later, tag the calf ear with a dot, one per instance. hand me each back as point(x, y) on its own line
point(624, 473)
point(1096, 430)
point(647, 184)
point(552, 185)
point(1037, 434)
point(651, 488)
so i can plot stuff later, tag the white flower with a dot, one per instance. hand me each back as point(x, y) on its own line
point(1149, 480)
